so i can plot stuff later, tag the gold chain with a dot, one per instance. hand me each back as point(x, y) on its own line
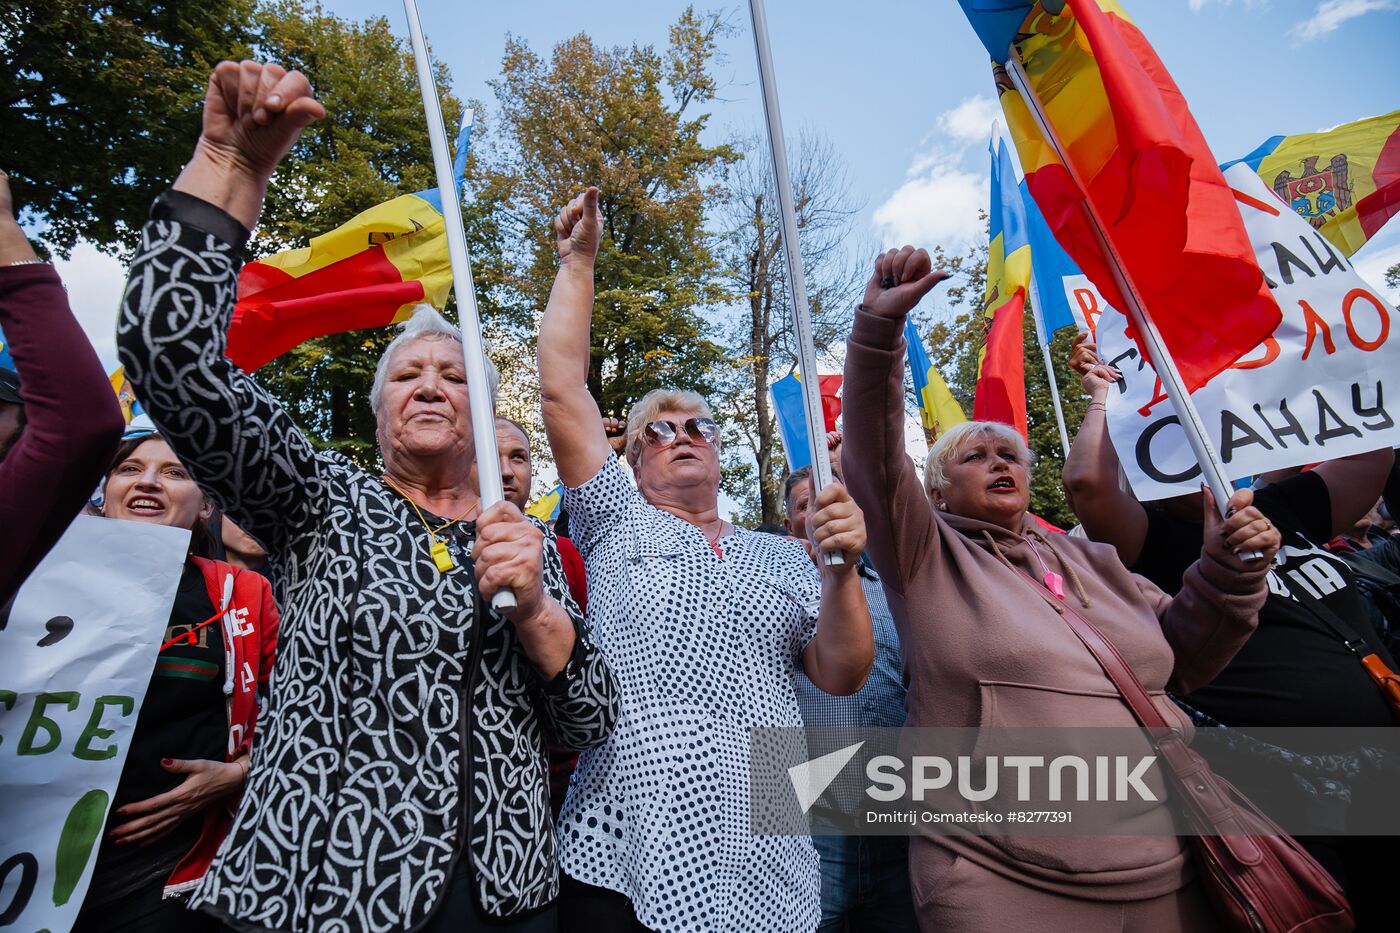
point(436, 549)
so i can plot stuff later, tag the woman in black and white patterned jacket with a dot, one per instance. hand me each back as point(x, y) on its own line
point(399, 782)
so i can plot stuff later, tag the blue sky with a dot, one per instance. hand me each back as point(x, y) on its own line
point(903, 90)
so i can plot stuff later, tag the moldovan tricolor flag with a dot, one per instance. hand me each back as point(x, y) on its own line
point(1344, 181)
point(938, 410)
point(368, 272)
point(1168, 214)
point(1001, 370)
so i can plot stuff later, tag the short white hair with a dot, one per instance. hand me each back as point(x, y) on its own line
point(425, 324)
point(946, 448)
point(654, 403)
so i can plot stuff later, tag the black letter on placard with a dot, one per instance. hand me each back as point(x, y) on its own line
point(1287, 259)
point(1129, 354)
point(28, 873)
point(1293, 427)
point(1333, 261)
point(1356, 406)
point(1143, 452)
point(1236, 432)
point(1325, 433)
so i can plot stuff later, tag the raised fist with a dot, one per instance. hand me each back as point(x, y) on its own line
point(577, 229)
point(253, 114)
point(901, 279)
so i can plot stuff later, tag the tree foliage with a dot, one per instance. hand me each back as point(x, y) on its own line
point(624, 119)
point(371, 147)
point(101, 103)
point(759, 336)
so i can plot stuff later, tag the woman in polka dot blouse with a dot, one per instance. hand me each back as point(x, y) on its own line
point(703, 625)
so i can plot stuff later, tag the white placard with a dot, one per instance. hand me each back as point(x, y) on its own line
point(76, 652)
point(1326, 383)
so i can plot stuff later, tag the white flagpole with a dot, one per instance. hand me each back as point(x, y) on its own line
point(1049, 363)
point(488, 464)
point(1191, 425)
point(801, 315)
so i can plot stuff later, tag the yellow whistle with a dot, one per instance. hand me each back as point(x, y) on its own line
point(441, 557)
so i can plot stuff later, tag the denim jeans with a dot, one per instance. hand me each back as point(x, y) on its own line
point(865, 884)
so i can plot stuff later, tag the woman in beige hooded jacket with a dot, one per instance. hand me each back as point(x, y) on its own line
point(984, 646)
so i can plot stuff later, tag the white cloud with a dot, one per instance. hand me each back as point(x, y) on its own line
point(1332, 13)
point(939, 201)
point(971, 121)
point(95, 281)
point(938, 208)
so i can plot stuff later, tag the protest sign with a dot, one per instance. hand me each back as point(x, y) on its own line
point(1314, 390)
point(77, 647)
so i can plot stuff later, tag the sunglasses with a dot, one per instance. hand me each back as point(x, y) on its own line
point(663, 433)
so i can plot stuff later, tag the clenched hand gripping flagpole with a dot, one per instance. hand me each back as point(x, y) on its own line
point(801, 315)
point(488, 464)
point(1182, 404)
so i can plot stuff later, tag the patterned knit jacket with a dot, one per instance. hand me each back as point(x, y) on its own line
point(360, 799)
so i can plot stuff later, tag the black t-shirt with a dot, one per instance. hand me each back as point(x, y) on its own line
point(1294, 670)
point(183, 716)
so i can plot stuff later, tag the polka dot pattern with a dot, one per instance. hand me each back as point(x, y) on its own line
point(703, 649)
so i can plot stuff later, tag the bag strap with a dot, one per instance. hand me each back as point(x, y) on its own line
point(1133, 692)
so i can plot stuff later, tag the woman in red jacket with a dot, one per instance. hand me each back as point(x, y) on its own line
point(189, 755)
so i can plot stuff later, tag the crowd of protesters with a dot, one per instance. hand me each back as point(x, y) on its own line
point(400, 756)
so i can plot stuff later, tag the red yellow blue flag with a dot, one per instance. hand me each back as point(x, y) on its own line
point(1149, 179)
point(938, 410)
point(1344, 181)
point(369, 272)
point(126, 395)
point(1001, 371)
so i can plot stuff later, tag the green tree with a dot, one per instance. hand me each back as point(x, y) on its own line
point(1392, 276)
point(101, 100)
point(371, 147)
point(759, 336)
point(954, 341)
point(623, 119)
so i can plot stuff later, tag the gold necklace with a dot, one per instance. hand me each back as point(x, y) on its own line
point(437, 547)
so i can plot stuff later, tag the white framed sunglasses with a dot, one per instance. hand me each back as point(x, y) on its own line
point(661, 434)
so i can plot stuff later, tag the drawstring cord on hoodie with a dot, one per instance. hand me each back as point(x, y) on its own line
point(1069, 567)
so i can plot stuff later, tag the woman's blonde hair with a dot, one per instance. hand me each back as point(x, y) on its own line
point(946, 447)
point(654, 403)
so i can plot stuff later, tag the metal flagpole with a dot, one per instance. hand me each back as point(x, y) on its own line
point(1211, 468)
point(1049, 364)
point(801, 316)
point(488, 464)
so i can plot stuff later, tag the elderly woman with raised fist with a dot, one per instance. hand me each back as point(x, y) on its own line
point(400, 782)
point(980, 596)
point(703, 624)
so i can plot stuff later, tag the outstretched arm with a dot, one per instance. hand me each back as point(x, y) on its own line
point(1354, 484)
point(72, 420)
point(881, 477)
point(571, 417)
point(239, 443)
point(1108, 513)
